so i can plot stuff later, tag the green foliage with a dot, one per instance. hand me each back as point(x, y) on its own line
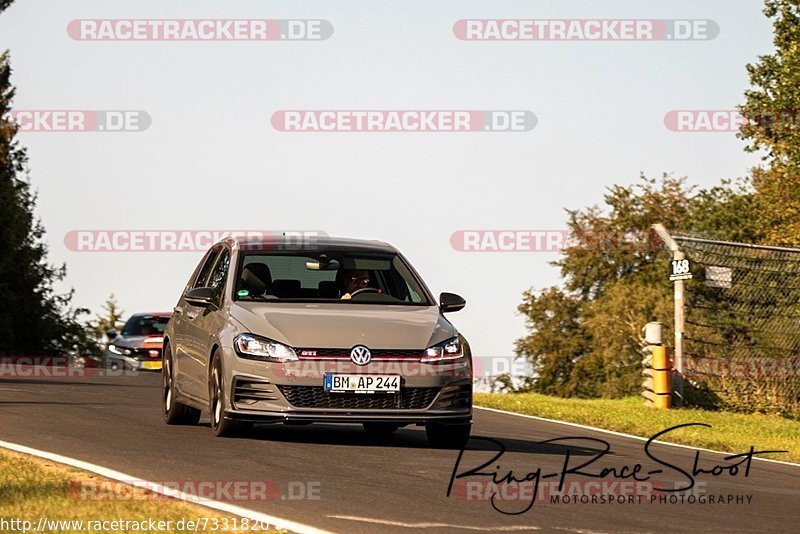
point(110, 319)
point(745, 395)
point(583, 340)
point(772, 106)
point(733, 432)
point(779, 202)
point(505, 383)
point(618, 242)
point(557, 340)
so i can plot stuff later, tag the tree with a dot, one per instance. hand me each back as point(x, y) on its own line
point(34, 320)
point(583, 338)
point(556, 341)
point(772, 107)
point(109, 320)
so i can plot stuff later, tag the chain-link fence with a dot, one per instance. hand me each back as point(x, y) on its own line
point(742, 326)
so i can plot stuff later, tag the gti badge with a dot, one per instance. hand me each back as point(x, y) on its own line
point(360, 355)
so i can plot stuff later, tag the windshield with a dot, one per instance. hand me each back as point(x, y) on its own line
point(328, 276)
point(145, 325)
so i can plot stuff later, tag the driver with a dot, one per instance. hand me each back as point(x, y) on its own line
point(354, 280)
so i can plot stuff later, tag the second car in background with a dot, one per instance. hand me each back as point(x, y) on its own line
point(138, 346)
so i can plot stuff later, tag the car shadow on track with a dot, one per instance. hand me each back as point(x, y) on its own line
point(62, 382)
point(409, 437)
point(53, 403)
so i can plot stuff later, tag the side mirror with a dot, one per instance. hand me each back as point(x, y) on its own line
point(450, 302)
point(112, 334)
point(200, 296)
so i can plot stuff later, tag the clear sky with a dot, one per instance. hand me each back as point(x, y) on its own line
point(211, 159)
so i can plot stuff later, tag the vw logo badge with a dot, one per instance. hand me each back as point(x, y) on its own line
point(360, 355)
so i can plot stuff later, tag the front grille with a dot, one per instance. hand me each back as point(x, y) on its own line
point(345, 353)
point(317, 397)
point(248, 392)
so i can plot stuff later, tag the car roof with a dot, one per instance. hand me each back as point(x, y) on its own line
point(281, 242)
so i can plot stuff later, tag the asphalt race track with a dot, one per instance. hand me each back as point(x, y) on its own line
point(361, 483)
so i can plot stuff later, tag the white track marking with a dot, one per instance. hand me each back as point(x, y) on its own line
point(621, 434)
point(273, 521)
point(400, 524)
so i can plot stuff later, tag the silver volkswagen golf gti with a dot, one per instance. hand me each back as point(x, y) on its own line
point(341, 331)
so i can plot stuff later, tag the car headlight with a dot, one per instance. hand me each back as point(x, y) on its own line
point(447, 350)
point(255, 347)
point(119, 350)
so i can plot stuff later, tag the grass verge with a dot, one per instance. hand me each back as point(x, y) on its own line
point(32, 488)
point(730, 432)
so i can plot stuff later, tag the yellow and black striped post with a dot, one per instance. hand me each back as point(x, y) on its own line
point(656, 369)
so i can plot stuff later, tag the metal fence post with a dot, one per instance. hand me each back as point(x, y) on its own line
point(679, 303)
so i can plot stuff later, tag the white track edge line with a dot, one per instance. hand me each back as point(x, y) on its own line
point(624, 435)
point(273, 521)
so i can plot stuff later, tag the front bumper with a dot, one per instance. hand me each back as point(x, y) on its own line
point(350, 418)
point(121, 361)
point(293, 392)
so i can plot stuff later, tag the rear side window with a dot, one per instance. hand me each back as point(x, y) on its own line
point(218, 276)
point(202, 276)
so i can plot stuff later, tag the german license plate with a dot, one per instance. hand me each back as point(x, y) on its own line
point(151, 366)
point(362, 383)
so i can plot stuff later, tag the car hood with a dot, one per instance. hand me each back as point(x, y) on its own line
point(314, 325)
point(136, 342)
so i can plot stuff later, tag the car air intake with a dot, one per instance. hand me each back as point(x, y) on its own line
point(317, 397)
point(455, 397)
point(249, 392)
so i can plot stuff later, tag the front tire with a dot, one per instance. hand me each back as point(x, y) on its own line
point(222, 427)
point(448, 436)
point(175, 413)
